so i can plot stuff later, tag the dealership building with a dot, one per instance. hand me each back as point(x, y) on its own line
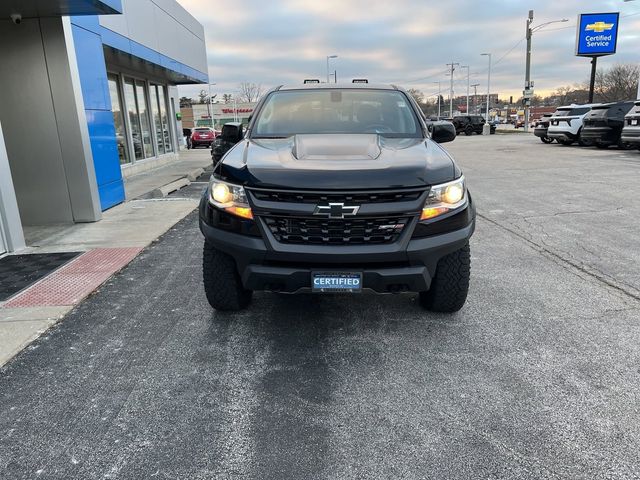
point(88, 97)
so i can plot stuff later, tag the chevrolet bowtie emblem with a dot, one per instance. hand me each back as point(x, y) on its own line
point(599, 27)
point(336, 210)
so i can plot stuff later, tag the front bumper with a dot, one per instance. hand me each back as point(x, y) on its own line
point(404, 266)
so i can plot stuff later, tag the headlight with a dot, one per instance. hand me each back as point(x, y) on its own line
point(444, 198)
point(230, 198)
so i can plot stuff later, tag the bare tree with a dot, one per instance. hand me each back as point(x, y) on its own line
point(417, 95)
point(618, 83)
point(562, 94)
point(226, 97)
point(250, 92)
point(203, 97)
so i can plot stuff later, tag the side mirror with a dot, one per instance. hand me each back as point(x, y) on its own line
point(232, 132)
point(443, 132)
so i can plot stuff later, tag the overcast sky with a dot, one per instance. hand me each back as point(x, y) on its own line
point(407, 42)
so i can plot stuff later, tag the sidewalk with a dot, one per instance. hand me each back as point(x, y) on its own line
point(105, 248)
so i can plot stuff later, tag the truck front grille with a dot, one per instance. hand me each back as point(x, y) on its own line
point(347, 198)
point(324, 231)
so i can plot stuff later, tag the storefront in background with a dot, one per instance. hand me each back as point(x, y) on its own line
point(216, 114)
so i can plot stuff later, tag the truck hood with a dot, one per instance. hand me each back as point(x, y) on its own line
point(337, 162)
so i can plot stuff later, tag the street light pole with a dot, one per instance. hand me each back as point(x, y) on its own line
point(453, 69)
point(439, 94)
point(328, 57)
point(468, 84)
point(210, 109)
point(475, 97)
point(488, 86)
point(527, 76)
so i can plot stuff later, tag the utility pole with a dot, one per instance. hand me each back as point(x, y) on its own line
point(475, 97)
point(527, 78)
point(468, 84)
point(453, 69)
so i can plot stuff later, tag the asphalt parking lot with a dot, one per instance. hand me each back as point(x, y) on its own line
point(537, 377)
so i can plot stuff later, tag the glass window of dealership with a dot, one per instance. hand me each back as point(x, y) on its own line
point(140, 114)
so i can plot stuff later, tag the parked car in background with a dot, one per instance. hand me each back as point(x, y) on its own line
point(202, 136)
point(542, 127)
point(470, 124)
point(229, 136)
point(603, 125)
point(566, 124)
point(631, 131)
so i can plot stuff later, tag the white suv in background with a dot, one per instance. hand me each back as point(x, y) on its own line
point(566, 124)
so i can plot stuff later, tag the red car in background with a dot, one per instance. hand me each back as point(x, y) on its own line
point(202, 136)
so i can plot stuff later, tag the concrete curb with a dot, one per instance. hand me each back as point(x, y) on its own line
point(170, 187)
point(194, 174)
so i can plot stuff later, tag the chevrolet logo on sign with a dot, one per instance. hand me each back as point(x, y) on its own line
point(599, 27)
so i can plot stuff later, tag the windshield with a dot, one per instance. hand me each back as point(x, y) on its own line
point(325, 111)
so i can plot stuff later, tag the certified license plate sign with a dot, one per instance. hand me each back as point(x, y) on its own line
point(323, 282)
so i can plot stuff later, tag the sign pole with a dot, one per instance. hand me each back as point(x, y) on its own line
point(592, 83)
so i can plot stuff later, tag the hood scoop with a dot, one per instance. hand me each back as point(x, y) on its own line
point(336, 147)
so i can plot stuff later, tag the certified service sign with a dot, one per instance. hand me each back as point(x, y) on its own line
point(597, 34)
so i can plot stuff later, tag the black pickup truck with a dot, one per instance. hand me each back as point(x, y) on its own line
point(338, 188)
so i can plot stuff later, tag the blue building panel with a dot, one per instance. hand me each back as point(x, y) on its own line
point(93, 72)
point(124, 44)
point(97, 104)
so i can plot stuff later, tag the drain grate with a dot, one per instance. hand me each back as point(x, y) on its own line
point(17, 272)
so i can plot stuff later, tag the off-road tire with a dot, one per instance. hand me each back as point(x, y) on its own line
point(222, 283)
point(468, 131)
point(450, 285)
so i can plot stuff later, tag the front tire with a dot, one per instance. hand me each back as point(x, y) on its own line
point(222, 283)
point(546, 140)
point(468, 131)
point(450, 286)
